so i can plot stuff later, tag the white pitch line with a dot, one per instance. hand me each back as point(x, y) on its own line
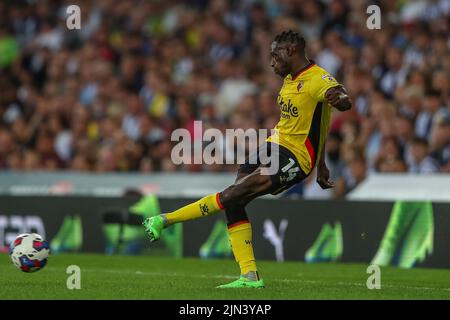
point(167, 274)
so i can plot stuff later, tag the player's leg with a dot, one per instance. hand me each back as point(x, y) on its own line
point(257, 183)
point(289, 173)
point(201, 208)
point(240, 192)
point(239, 227)
point(240, 235)
point(244, 189)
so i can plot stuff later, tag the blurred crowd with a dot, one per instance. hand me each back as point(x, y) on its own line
point(108, 96)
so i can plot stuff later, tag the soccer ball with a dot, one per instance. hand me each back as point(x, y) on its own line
point(29, 252)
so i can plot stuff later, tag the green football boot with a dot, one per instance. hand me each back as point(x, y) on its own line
point(153, 226)
point(243, 282)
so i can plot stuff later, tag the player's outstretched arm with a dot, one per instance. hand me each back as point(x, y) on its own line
point(338, 98)
point(323, 174)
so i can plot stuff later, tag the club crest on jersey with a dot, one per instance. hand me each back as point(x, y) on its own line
point(300, 86)
point(328, 78)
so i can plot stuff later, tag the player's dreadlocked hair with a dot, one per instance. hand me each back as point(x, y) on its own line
point(293, 37)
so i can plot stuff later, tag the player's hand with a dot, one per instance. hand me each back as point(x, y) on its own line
point(323, 177)
point(338, 98)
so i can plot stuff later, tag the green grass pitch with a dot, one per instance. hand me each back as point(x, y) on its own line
point(123, 277)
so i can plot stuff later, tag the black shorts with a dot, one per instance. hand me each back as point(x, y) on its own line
point(288, 172)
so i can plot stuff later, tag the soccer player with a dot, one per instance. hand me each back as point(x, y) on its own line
point(305, 99)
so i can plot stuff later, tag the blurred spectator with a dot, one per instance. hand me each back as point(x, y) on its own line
point(421, 161)
point(440, 140)
point(107, 97)
point(354, 174)
point(392, 164)
point(431, 105)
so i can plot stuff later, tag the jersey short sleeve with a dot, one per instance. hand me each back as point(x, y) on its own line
point(320, 83)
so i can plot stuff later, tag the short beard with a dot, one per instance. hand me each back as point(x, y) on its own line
point(283, 73)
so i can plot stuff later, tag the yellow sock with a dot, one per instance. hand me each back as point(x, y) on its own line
point(203, 207)
point(241, 243)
